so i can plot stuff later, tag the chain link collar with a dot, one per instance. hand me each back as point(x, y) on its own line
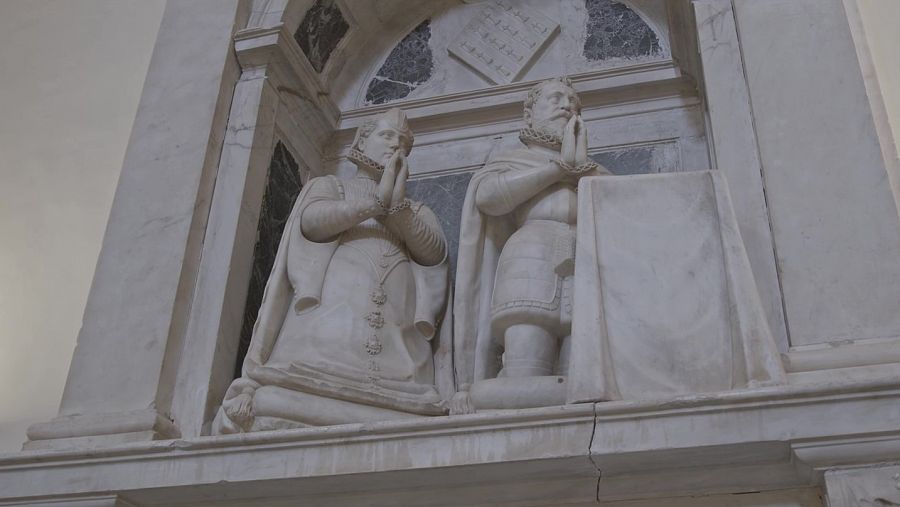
point(590, 165)
point(358, 158)
point(540, 137)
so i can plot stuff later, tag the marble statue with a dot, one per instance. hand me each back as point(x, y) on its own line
point(352, 305)
point(513, 307)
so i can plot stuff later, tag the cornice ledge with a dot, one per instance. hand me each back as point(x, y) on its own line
point(563, 443)
point(847, 451)
point(510, 420)
point(275, 46)
point(634, 84)
point(68, 429)
point(657, 71)
point(327, 435)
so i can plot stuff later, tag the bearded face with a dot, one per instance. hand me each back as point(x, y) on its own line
point(553, 108)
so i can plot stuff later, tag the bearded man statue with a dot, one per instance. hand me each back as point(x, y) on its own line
point(352, 305)
point(513, 302)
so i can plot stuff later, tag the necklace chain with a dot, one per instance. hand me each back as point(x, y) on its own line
point(358, 157)
point(541, 137)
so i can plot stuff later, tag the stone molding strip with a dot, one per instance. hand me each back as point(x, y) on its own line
point(722, 433)
point(127, 426)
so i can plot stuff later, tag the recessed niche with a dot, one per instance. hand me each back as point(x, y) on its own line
point(321, 30)
point(445, 196)
point(282, 188)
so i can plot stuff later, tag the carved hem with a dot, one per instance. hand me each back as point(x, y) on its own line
point(382, 393)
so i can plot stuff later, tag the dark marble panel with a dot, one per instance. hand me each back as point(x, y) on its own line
point(410, 64)
point(637, 160)
point(445, 196)
point(615, 31)
point(321, 30)
point(282, 188)
point(381, 91)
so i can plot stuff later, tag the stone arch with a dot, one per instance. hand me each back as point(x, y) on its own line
point(633, 36)
point(377, 27)
point(449, 76)
point(655, 15)
point(409, 64)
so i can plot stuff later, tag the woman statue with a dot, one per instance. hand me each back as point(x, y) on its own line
point(345, 330)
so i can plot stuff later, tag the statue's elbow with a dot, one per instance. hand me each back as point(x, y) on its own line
point(489, 203)
point(316, 234)
point(433, 256)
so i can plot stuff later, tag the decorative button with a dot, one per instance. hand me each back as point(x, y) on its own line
point(373, 345)
point(375, 319)
point(378, 296)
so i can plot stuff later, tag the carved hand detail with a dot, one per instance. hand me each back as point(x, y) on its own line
point(402, 173)
point(580, 141)
point(573, 153)
point(567, 153)
point(385, 190)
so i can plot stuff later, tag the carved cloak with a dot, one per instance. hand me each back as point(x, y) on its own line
point(481, 239)
point(297, 278)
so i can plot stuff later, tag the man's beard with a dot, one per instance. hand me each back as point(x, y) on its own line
point(551, 128)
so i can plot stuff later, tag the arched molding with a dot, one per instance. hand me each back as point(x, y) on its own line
point(375, 28)
point(562, 56)
point(653, 12)
point(367, 53)
point(378, 26)
point(363, 79)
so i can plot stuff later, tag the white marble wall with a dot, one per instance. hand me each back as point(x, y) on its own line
point(834, 218)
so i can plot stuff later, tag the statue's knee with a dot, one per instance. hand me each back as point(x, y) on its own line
point(529, 351)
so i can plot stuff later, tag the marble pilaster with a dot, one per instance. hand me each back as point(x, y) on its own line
point(224, 273)
point(734, 148)
point(121, 377)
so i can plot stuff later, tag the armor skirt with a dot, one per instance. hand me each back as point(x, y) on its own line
point(533, 284)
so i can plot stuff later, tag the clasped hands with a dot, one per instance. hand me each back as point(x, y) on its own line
point(391, 191)
point(574, 146)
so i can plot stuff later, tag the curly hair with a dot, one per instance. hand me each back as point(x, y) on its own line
point(535, 93)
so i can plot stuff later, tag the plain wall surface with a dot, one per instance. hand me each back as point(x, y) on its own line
point(833, 214)
point(880, 21)
point(72, 76)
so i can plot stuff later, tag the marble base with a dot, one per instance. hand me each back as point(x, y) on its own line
point(99, 430)
point(742, 446)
